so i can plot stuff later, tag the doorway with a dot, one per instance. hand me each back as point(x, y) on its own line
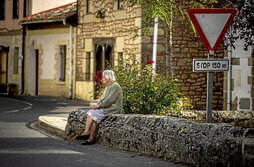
point(104, 58)
point(4, 64)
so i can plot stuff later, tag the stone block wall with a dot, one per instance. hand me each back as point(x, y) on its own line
point(235, 118)
point(173, 139)
point(184, 46)
point(116, 25)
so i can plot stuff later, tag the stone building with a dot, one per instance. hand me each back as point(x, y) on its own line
point(104, 36)
point(100, 42)
point(50, 51)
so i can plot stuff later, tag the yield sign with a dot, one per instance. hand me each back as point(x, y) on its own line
point(212, 24)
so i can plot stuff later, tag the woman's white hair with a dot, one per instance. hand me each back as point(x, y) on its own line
point(109, 74)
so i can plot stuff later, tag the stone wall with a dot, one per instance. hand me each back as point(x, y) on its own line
point(187, 46)
point(116, 25)
point(184, 46)
point(235, 118)
point(173, 139)
point(103, 41)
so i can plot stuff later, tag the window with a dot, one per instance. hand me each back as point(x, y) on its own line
point(87, 66)
point(16, 61)
point(2, 9)
point(62, 63)
point(88, 6)
point(15, 12)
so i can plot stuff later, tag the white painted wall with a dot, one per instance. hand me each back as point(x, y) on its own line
point(47, 65)
point(240, 73)
point(42, 5)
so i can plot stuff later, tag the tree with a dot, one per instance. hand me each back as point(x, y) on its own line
point(164, 11)
point(243, 25)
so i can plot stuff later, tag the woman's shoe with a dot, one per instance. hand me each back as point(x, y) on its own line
point(83, 137)
point(88, 143)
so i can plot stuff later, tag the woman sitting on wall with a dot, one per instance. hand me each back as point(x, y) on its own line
point(111, 102)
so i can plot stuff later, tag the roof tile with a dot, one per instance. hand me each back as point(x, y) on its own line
point(52, 15)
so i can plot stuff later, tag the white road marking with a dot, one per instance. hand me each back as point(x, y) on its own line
point(12, 111)
point(26, 108)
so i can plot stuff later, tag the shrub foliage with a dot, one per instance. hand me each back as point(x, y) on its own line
point(145, 92)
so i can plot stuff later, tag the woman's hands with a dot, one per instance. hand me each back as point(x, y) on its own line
point(95, 107)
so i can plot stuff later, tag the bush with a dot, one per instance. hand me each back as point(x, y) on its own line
point(145, 92)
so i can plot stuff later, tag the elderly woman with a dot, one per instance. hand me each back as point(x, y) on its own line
point(110, 103)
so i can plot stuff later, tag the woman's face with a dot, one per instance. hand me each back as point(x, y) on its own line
point(106, 81)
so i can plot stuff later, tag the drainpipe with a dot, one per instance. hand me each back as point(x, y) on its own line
point(71, 62)
point(229, 78)
point(22, 84)
point(23, 60)
point(71, 58)
point(155, 39)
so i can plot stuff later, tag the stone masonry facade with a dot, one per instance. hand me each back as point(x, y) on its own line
point(115, 21)
point(184, 47)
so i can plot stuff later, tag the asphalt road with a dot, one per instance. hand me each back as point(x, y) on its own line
point(24, 145)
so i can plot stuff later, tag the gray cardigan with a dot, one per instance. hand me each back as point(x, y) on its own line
point(111, 101)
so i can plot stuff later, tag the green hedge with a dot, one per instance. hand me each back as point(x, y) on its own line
point(145, 92)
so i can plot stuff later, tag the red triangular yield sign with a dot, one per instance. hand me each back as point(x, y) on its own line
point(212, 24)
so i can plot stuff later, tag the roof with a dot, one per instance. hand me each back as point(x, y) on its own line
point(60, 13)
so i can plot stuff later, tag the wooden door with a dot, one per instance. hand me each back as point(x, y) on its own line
point(3, 67)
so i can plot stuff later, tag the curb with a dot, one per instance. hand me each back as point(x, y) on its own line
point(58, 128)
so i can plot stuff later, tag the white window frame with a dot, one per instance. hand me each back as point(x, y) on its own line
point(62, 63)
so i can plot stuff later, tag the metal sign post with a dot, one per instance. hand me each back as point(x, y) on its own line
point(209, 99)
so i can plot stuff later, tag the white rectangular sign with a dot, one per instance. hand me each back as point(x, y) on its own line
point(210, 65)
